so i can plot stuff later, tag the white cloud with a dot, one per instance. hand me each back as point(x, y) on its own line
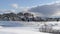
point(15, 6)
point(56, 14)
point(20, 8)
point(37, 14)
point(6, 11)
point(53, 2)
point(48, 10)
point(25, 9)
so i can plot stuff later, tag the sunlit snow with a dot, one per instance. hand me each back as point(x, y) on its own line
point(17, 27)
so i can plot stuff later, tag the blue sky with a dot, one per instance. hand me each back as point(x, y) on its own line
point(51, 9)
point(6, 4)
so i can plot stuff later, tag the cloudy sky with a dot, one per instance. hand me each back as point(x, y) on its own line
point(46, 8)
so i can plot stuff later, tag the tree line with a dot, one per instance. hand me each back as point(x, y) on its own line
point(24, 17)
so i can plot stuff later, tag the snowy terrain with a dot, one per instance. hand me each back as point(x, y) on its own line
point(17, 27)
point(21, 30)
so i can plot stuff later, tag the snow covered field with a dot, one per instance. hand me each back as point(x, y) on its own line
point(20, 30)
point(16, 27)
